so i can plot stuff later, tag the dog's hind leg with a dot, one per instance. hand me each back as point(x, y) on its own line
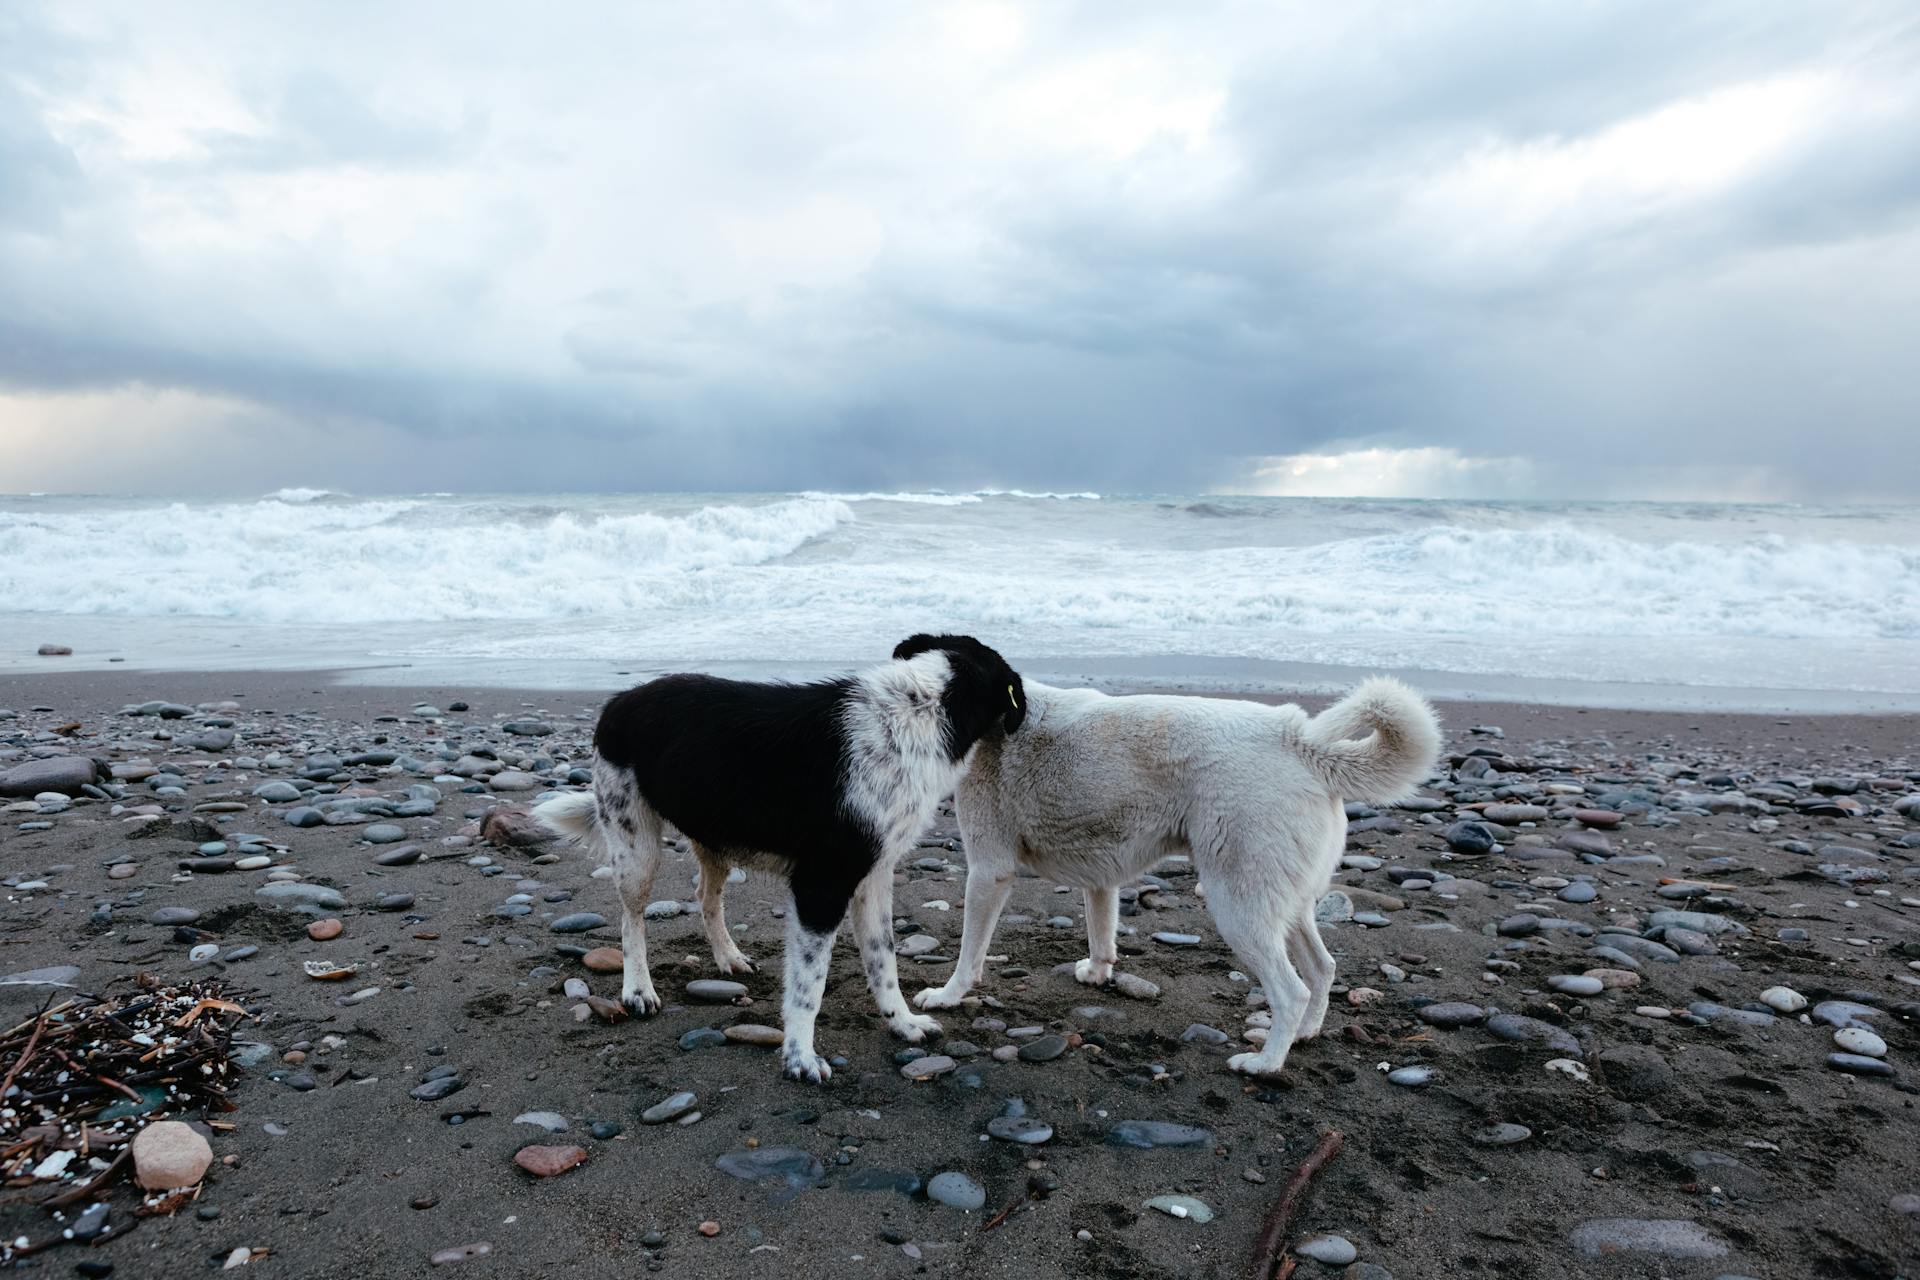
point(1253, 921)
point(1316, 966)
point(819, 905)
point(873, 934)
point(631, 830)
point(713, 911)
point(989, 881)
point(1103, 926)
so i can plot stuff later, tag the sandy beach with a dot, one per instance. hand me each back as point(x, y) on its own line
point(1673, 1124)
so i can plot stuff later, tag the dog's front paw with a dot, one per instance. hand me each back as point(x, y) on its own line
point(1255, 1064)
point(804, 1065)
point(913, 1027)
point(641, 1004)
point(1092, 973)
point(937, 998)
point(735, 963)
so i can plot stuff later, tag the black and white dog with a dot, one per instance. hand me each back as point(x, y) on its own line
point(826, 783)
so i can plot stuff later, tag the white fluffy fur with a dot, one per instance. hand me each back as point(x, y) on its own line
point(1094, 790)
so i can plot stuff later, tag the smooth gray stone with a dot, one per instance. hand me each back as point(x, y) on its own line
point(1512, 1026)
point(1663, 1237)
point(671, 1108)
point(289, 894)
point(957, 1191)
point(1184, 1207)
point(789, 1165)
point(1023, 1129)
point(1149, 1134)
point(1450, 1013)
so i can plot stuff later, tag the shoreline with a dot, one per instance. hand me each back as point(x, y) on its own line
point(1256, 679)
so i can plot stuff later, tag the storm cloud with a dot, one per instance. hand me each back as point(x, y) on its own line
point(1631, 249)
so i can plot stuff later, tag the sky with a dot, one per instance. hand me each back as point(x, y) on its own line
point(1626, 249)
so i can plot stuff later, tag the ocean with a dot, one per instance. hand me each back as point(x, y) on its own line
point(1622, 603)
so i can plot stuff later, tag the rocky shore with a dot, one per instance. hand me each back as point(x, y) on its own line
point(1619, 994)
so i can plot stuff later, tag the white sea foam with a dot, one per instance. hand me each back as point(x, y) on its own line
point(1695, 595)
point(930, 499)
point(385, 560)
point(303, 495)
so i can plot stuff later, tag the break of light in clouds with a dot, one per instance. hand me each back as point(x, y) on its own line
point(1631, 249)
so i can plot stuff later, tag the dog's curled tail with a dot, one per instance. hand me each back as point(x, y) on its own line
point(572, 816)
point(1375, 745)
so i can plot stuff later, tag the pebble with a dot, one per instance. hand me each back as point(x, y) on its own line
point(1512, 1026)
point(713, 990)
point(1044, 1049)
point(551, 1121)
point(384, 833)
point(1861, 1041)
point(1181, 1207)
point(754, 1033)
point(549, 1162)
point(1450, 1013)
point(1501, 1135)
point(1177, 939)
point(1148, 1134)
point(1576, 984)
point(670, 1108)
point(169, 1154)
point(1414, 1077)
point(1335, 1251)
point(957, 1191)
point(1022, 1129)
point(324, 930)
point(460, 1253)
point(1662, 1237)
point(606, 960)
point(789, 1165)
point(929, 1067)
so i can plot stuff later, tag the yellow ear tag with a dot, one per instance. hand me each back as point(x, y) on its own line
point(1010, 698)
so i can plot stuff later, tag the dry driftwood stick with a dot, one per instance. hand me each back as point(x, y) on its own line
point(1273, 1232)
point(39, 1025)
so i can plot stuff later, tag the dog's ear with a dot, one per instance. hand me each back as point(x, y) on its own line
point(1016, 714)
point(1005, 692)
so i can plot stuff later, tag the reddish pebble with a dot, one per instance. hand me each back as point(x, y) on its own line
point(709, 1228)
point(324, 930)
point(548, 1162)
point(604, 960)
point(1597, 817)
point(607, 1010)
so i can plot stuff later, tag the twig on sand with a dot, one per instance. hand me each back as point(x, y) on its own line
point(1273, 1232)
point(1003, 1215)
point(39, 1025)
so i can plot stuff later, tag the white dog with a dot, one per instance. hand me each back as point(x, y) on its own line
point(1095, 789)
